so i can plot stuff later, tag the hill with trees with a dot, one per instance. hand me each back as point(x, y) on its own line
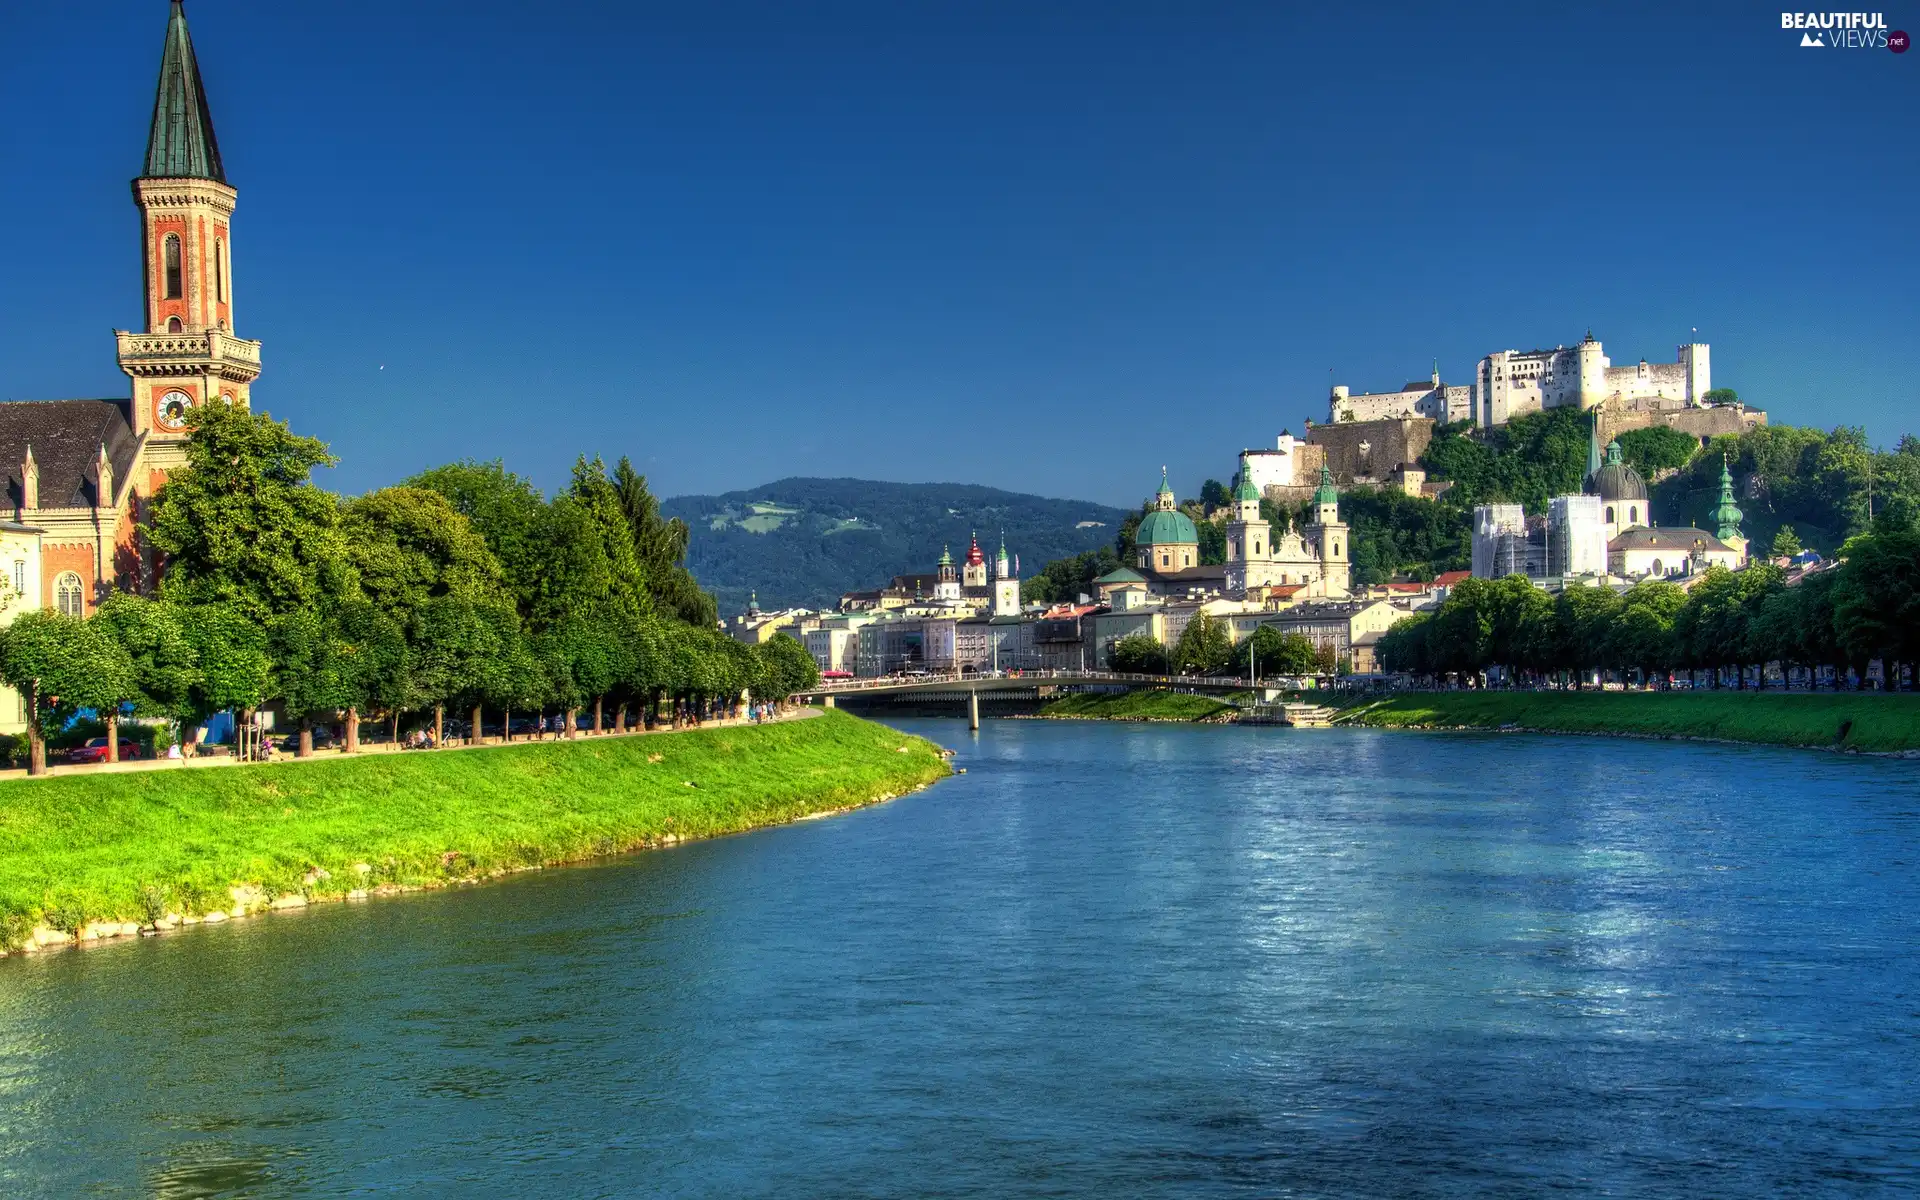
point(805, 541)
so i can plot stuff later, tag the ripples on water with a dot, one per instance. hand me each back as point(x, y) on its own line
point(1112, 960)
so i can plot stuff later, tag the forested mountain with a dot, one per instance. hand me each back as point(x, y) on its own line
point(805, 541)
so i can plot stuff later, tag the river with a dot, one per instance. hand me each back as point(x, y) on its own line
point(1109, 960)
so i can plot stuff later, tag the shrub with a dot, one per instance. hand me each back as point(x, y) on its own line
point(152, 900)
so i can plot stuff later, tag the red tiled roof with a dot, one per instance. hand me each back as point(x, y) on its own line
point(1449, 578)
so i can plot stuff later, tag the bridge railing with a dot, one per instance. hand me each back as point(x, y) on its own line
point(841, 687)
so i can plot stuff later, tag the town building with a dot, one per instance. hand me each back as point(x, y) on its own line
point(1342, 629)
point(1315, 557)
point(20, 593)
point(1280, 473)
point(84, 472)
point(1512, 383)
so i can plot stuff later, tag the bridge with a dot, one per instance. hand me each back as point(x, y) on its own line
point(952, 683)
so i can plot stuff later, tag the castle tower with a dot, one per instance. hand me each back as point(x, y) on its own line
point(1593, 365)
point(1727, 514)
point(1329, 536)
point(187, 353)
point(1698, 361)
point(974, 573)
point(1006, 586)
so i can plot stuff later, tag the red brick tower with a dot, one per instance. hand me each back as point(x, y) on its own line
point(188, 352)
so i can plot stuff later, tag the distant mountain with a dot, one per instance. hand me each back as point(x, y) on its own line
point(805, 541)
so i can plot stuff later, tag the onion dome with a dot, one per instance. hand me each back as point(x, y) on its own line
point(1616, 480)
point(1328, 494)
point(1246, 491)
point(946, 557)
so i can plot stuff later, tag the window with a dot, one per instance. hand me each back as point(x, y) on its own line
point(67, 595)
point(1633, 514)
point(220, 271)
point(19, 576)
point(1609, 514)
point(173, 324)
point(170, 254)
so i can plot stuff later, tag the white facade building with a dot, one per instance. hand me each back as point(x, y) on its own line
point(1512, 383)
point(1576, 536)
point(1421, 398)
point(1499, 541)
point(1283, 466)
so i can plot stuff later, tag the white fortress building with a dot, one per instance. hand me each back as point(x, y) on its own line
point(1512, 383)
point(1420, 398)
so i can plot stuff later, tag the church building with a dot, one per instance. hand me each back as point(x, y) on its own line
point(81, 474)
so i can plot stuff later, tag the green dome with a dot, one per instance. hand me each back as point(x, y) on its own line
point(1327, 494)
point(1246, 490)
point(1164, 528)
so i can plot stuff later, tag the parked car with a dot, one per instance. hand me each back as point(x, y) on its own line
point(322, 738)
point(95, 751)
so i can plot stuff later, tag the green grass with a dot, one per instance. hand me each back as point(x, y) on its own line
point(1880, 722)
point(1146, 705)
point(88, 845)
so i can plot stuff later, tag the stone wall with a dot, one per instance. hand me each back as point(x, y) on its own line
point(1388, 444)
point(1704, 423)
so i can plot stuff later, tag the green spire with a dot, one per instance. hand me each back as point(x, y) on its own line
point(946, 557)
point(1327, 494)
point(181, 145)
point(1727, 513)
point(1166, 489)
point(1593, 445)
point(1246, 491)
point(1613, 454)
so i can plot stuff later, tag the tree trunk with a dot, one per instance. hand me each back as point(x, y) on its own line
point(113, 736)
point(620, 718)
point(353, 731)
point(598, 728)
point(36, 736)
point(474, 740)
point(439, 724)
point(394, 721)
point(573, 722)
point(306, 737)
point(506, 725)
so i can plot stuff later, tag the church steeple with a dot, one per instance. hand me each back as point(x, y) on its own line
point(181, 144)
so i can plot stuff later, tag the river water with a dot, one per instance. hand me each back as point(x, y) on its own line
point(1110, 960)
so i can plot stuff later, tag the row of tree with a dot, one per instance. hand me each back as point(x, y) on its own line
point(1206, 647)
point(462, 589)
point(1732, 624)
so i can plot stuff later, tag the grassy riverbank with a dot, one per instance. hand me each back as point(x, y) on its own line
point(121, 846)
point(1853, 721)
point(1142, 705)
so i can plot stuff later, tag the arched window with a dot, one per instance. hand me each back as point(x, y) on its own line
point(68, 595)
point(173, 324)
point(1633, 514)
point(1609, 514)
point(220, 270)
point(1657, 568)
point(170, 266)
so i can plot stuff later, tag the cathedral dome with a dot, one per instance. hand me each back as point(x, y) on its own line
point(1167, 528)
point(1616, 480)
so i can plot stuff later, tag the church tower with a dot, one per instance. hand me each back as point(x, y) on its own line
point(187, 353)
point(1006, 585)
point(1248, 538)
point(974, 573)
point(947, 580)
point(1329, 536)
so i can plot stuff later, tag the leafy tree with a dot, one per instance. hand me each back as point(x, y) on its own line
point(62, 663)
point(786, 668)
point(1214, 494)
point(1657, 448)
point(1213, 541)
point(1721, 396)
point(1786, 543)
point(1393, 535)
point(1877, 599)
point(230, 650)
point(1064, 580)
point(242, 524)
point(1583, 619)
point(1205, 647)
point(410, 545)
point(1525, 461)
point(1403, 647)
point(1271, 652)
point(1138, 654)
point(506, 510)
point(166, 669)
point(1642, 637)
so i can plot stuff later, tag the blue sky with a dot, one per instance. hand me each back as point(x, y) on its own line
point(1039, 247)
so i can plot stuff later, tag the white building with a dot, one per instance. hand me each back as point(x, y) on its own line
point(1512, 383)
point(1499, 541)
point(1576, 536)
point(1420, 398)
point(1291, 463)
point(19, 593)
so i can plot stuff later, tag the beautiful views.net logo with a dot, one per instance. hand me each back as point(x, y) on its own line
point(1845, 31)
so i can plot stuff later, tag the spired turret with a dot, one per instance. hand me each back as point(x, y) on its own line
point(1249, 537)
point(1727, 514)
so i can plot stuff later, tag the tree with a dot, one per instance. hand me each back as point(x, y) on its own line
point(1583, 619)
point(1657, 448)
point(661, 544)
point(62, 663)
point(1138, 654)
point(1642, 637)
point(1214, 494)
point(1270, 652)
point(242, 524)
point(165, 667)
point(1721, 396)
point(787, 668)
point(1403, 647)
point(1204, 648)
point(1786, 543)
point(1876, 602)
point(506, 510)
point(230, 652)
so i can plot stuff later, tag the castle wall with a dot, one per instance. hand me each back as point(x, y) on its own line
point(1389, 444)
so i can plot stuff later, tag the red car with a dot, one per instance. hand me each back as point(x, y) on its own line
point(95, 751)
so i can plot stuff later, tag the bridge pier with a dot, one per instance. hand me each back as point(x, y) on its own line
point(829, 702)
point(973, 710)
